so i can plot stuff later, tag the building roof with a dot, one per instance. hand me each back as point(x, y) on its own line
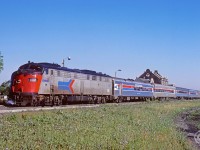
point(153, 77)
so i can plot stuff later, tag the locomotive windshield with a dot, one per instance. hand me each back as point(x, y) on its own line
point(31, 67)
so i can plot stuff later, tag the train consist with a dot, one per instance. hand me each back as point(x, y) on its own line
point(50, 84)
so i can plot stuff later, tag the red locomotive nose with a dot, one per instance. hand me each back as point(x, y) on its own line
point(26, 83)
point(27, 80)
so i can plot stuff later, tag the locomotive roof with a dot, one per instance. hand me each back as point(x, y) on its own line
point(58, 67)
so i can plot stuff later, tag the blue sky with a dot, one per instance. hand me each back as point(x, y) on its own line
point(104, 35)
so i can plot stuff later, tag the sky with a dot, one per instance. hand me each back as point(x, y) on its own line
point(104, 36)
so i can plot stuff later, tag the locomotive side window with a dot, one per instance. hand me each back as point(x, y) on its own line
point(94, 77)
point(46, 71)
point(88, 77)
point(51, 72)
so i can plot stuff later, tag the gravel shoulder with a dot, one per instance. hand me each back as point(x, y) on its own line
point(6, 110)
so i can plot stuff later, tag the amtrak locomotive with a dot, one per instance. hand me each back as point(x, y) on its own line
point(50, 84)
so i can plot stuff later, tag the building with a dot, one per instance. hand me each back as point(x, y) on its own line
point(151, 77)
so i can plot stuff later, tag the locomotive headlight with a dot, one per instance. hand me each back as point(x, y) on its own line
point(32, 79)
point(18, 81)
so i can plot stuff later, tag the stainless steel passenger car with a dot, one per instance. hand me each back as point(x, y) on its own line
point(164, 91)
point(127, 90)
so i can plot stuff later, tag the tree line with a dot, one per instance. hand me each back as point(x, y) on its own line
point(5, 86)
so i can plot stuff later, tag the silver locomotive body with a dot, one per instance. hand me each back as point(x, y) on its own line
point(69, 85)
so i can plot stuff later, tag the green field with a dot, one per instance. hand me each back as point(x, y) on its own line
point(146, 126)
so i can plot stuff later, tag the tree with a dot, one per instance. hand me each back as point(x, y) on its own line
point(1, 62)
point(5, 87)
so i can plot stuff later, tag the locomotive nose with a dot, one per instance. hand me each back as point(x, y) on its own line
point(27, 84)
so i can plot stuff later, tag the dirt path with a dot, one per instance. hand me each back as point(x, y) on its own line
point(189, 127)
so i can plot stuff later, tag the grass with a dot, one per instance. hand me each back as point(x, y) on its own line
point(141, 126)
point(194, 118)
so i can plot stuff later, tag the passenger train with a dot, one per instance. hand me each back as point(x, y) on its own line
point(50, 84)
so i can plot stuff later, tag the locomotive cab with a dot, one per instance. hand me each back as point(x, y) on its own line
point(26, 83)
